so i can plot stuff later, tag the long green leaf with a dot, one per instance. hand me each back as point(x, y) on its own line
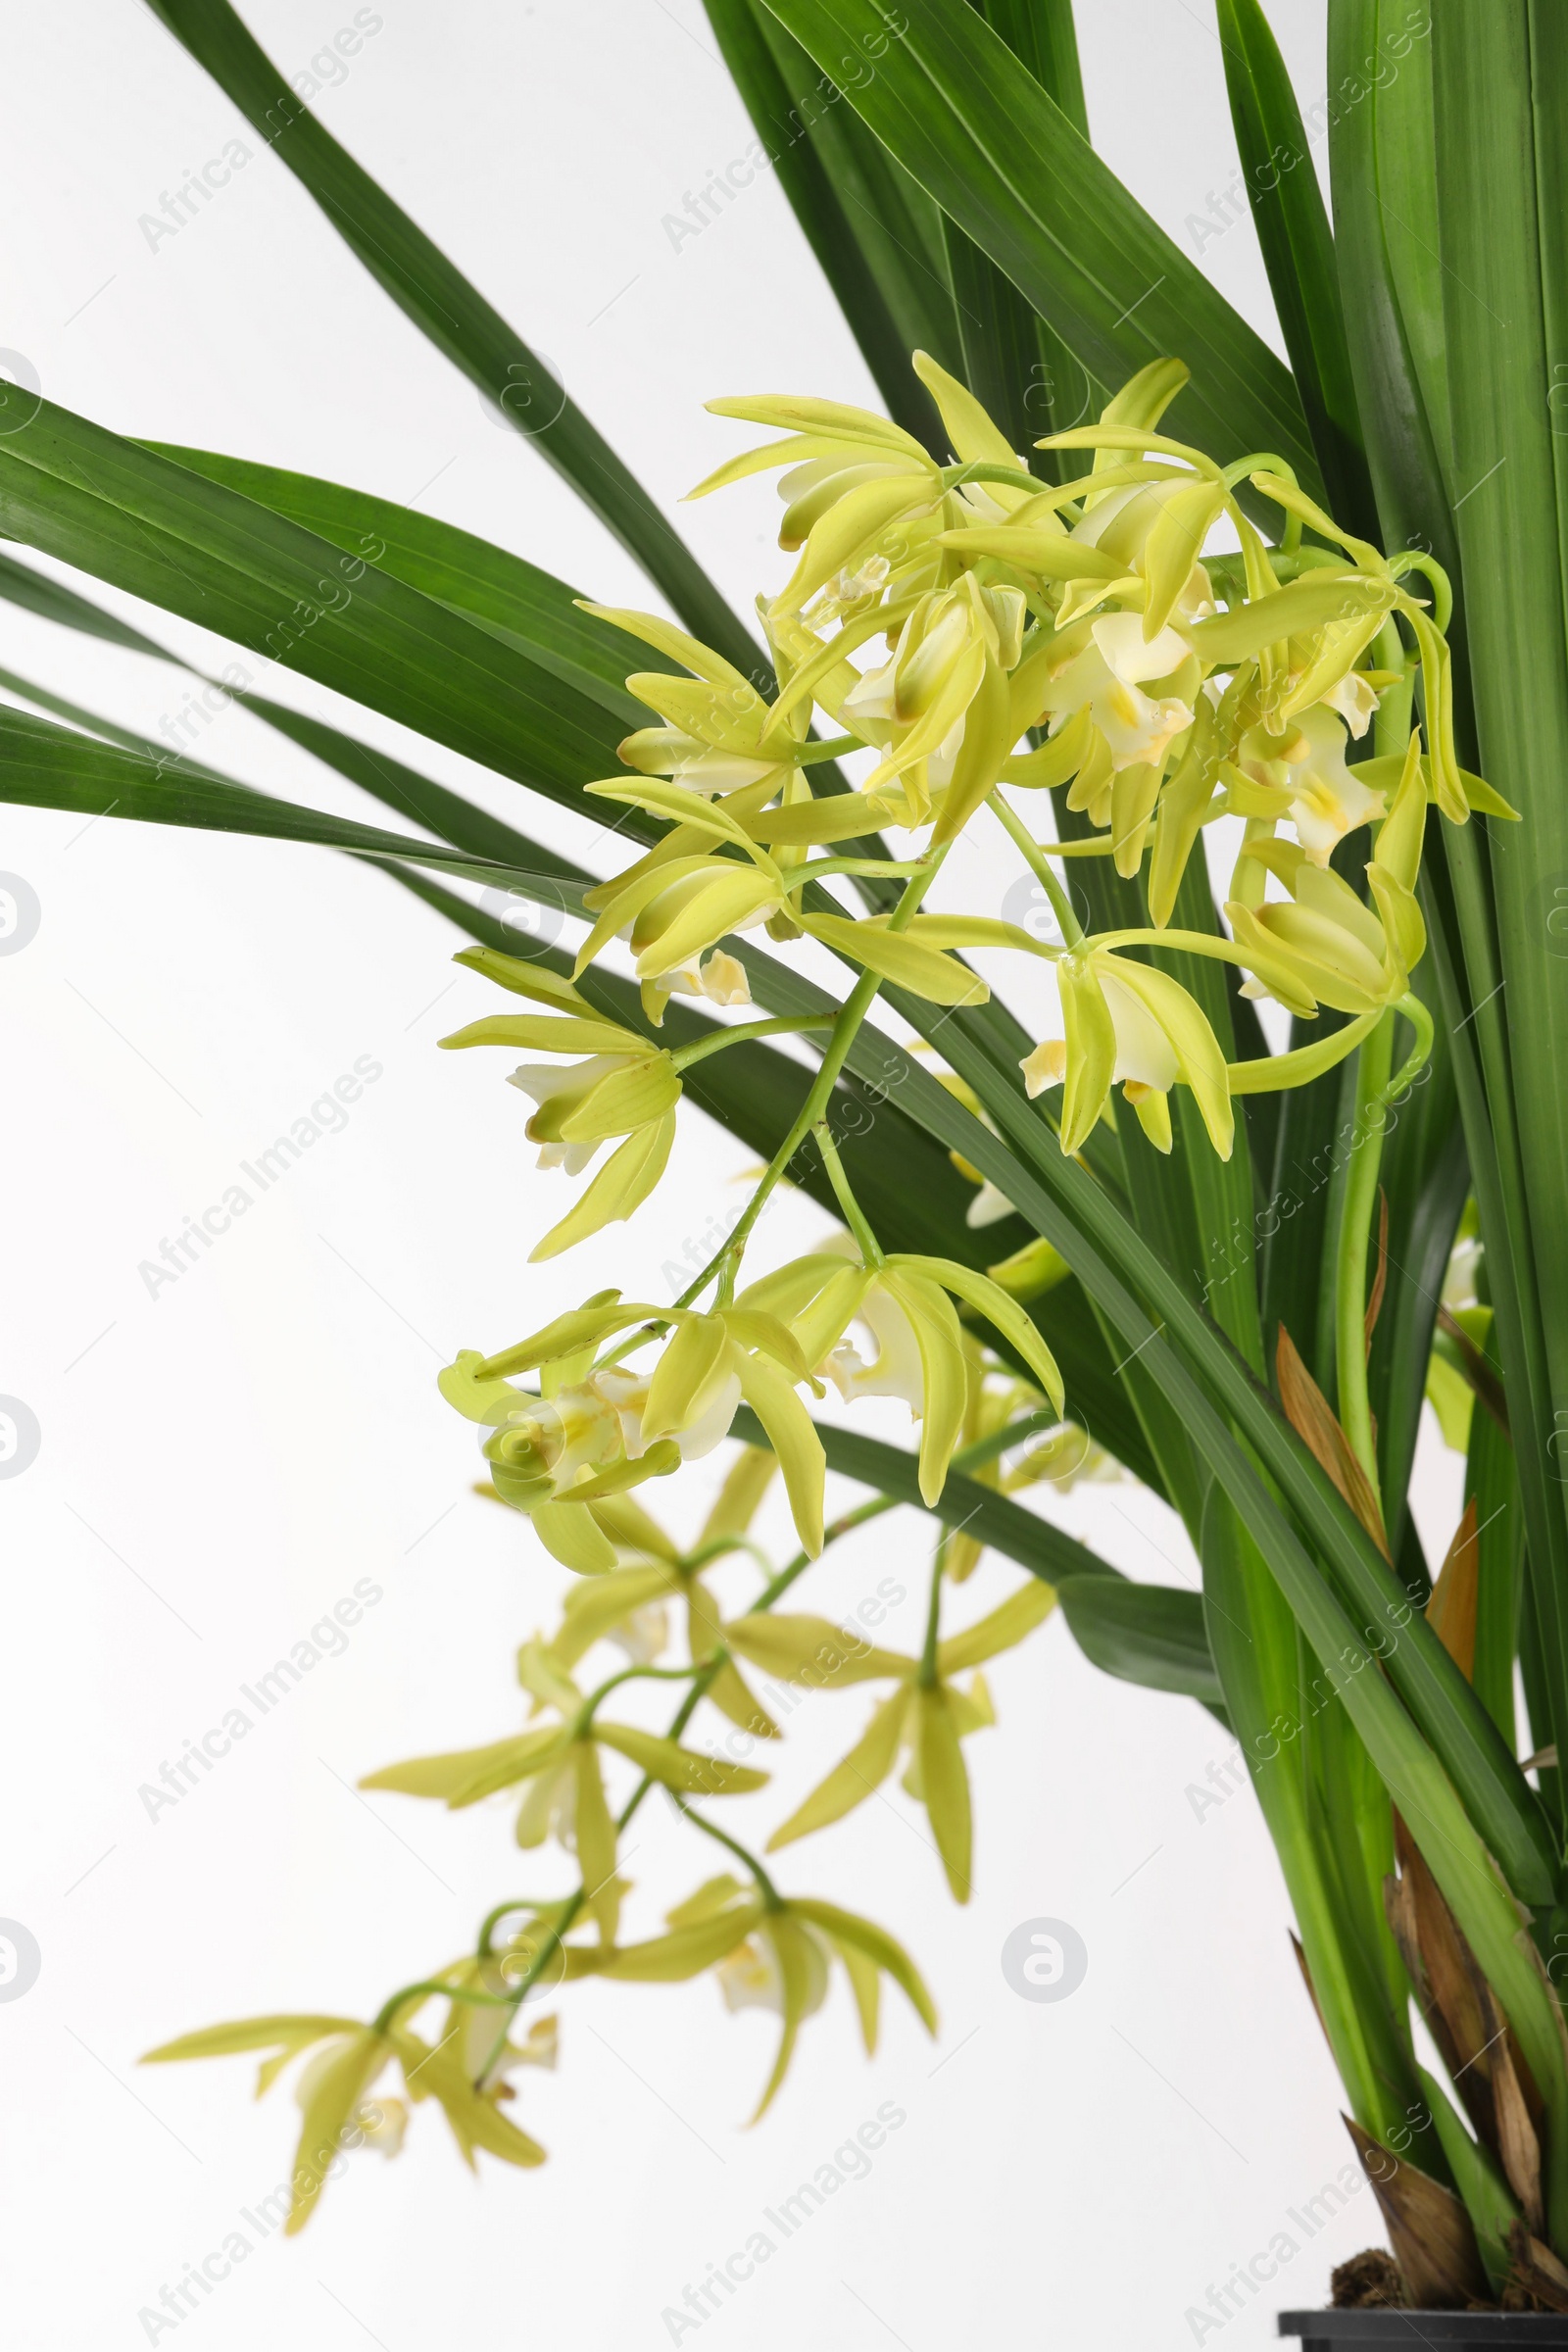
point(46, 766)
point(1293, 230)
point(1499, 82)
point(35, 592)
point(972, 125)
point(453, 314)
point(117, 510)
point(1015, 361)
point(1153, 1635)
point(514, 600)
point(1255, 1646)
point(884, 213)
point(788, 132)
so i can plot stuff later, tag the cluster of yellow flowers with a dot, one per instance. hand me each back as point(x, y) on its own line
point(1031, 636)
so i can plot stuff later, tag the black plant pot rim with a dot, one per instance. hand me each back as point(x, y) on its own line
point(1458, 2330)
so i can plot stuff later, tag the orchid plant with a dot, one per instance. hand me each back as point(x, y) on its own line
point(1280, 1168)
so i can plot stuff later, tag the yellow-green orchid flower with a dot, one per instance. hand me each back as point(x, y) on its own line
point(1129, 1026)
point(1303, 775)
point(925, 1716)
point(1336, 950)
point(906, 1305)
point(592, 1434)
point(1105, 666)
point(338, 2114)
point(940, 708)
point(625, 1088)
point(773, 1952)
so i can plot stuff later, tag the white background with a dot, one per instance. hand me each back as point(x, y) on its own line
point(222, 1462)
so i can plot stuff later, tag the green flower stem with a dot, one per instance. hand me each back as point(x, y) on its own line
point(954, 477)
point(478, 1998)
point(845, 1027)
point(715, 1548)
point(971, 1458)
point(742, 1853)
point(926, 1676)
point(584, 1721)
point(1416, 559)
point(1263, 461)
point(1375, 1091)
point(1072, 930)
point(385, 2016)
point(854, 1214)
point(836, 747)
point(863, 1511)
point(556, 1934)
point(492, 1919)
point(1355, 1229)
point(684, 1056)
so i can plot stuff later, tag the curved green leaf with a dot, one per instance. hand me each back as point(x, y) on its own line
point(950, 101)
point(1148, 1634)
point(116, 510)
point(453, 314)
point(1293, 230)
point(519, 603)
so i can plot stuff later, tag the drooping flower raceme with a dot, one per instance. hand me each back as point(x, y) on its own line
point(951, 639)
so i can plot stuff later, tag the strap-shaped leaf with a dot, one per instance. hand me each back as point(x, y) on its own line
point(523, 605)
point(452, 312)
point(1153, 1635)
point(145, 524)
point(1293, 230)
point(1501, 155)
point(47, 767)
point(791, 125)
point(981, 135)
point(1015, 363)
point(36, 592)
